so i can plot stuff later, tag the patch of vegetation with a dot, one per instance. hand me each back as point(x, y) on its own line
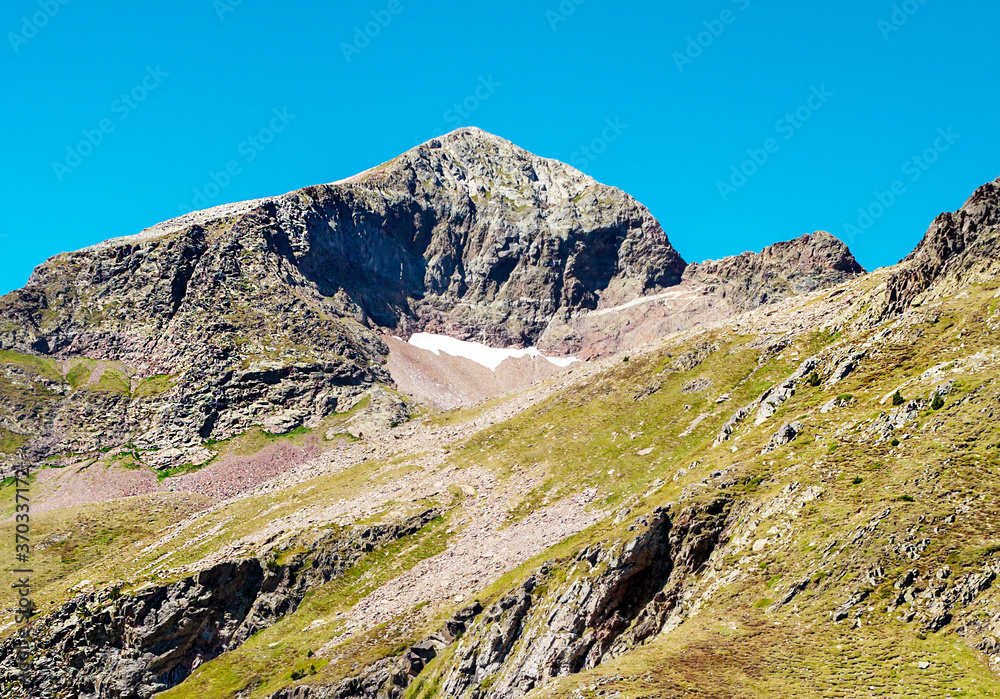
point(113, 381)
point(37, 365)
point(154, 386)
point(79, 374)
point(10, 441)
point(181, 470)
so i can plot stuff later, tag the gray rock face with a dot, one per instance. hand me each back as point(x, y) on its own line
point(959, 249)
point(781, 270)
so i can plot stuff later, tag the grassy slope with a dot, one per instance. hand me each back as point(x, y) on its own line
point(592, 436)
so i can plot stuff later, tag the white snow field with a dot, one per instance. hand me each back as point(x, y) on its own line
point(489, 357)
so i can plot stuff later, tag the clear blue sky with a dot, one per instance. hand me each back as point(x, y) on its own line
point(549, 77)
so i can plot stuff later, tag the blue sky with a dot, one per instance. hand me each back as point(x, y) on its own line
point(737, 122)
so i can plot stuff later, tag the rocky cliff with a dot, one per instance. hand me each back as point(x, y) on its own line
point(790, 268)
point(959, 249)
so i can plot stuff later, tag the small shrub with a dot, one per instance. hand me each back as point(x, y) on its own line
point(858, 480)
point(938, 402)
point(894, 442)
point(897, 398)
point(297, 675)
point(814, 379)
point(906, 498)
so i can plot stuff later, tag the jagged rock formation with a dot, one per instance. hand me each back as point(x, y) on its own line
point(785, 269)
point(959, 249)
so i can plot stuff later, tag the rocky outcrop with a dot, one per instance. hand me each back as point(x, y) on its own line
point(615, 598)
point(959, 249)
point(790, 268)
point(130, 646)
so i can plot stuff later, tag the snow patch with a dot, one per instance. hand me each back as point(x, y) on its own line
point(489, 357)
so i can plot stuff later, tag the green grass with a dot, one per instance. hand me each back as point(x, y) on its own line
point(37, 365)
point(10, 441)
point(154, 386)
point(79, 374)
point(181, 470)
point(88, 541)
point(113, 381)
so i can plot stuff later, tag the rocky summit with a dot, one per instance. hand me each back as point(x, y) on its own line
point(768, 475)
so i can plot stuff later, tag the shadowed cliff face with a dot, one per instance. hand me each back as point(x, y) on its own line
point(472, 236)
